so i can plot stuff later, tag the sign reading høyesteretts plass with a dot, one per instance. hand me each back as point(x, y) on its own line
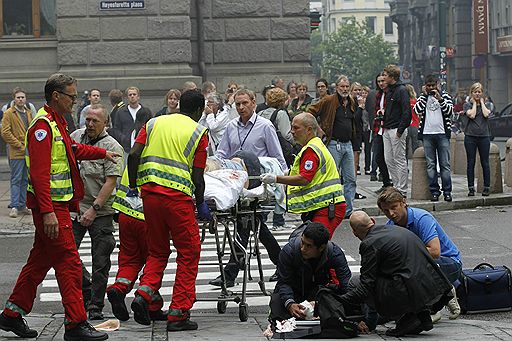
point(121, 5)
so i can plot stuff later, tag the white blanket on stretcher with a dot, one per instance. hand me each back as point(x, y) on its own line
point(226, 186)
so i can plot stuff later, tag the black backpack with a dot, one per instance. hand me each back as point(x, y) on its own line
point(289, 150)
point(332, 316)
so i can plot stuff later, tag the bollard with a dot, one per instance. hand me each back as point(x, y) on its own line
point(419, 186)
point(460, 160)
point(508, 163)
point(453, 141)
point(495, 166)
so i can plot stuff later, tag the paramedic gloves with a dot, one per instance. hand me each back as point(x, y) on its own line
point(268, 178)
point(203, 211)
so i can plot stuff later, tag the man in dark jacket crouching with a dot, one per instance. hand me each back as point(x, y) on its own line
point(304, 266)
point(398, 277)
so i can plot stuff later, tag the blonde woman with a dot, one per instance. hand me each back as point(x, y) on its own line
point(477, 137)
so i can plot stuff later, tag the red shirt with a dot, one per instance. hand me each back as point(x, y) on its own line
point(200, 157)
point(39, 146)
point(415, 121)
point(309, 162)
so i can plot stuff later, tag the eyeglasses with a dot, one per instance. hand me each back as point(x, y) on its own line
point(72, 97)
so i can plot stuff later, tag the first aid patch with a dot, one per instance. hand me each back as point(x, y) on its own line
point(308, 165)
point(40, 134)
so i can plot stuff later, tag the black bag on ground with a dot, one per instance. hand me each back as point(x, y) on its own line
point(289, 150)
point(332, 316)
point(485, 288)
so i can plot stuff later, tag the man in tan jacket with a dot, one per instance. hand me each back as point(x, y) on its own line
point(14, 127)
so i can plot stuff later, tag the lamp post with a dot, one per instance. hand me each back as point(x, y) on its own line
point(442, 43)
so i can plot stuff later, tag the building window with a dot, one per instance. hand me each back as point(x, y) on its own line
point(333, 25)
point(388, 25)
point(27, 18)
point(370, 22)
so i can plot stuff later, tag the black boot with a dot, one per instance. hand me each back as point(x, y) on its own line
point(140, 311)
point(177, 326)
point(407, 324)
point(84, 332)
point(158, 315)
point(119, 309)
point(17, 325)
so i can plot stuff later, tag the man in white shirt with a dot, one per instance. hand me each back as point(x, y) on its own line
point(435, 108)
point(94, 98)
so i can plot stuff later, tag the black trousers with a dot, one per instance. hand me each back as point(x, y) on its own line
point(378, 154)
point(102, 245)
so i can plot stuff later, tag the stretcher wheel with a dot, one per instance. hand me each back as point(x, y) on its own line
point(243, 311)
point(221, 307)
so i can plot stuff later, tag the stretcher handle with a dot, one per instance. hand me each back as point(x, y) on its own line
point(483, 264)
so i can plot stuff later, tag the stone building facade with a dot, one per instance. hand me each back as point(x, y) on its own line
point(163, 45)
point(468, 62)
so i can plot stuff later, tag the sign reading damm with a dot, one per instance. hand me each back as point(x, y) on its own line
point(481, 26)
point(121, 5)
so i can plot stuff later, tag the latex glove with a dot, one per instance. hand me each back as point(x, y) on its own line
point(132, 198)
point(203, 211)
point(268, 178)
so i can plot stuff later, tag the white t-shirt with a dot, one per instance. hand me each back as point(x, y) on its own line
point(133, 111)
point(433, 117)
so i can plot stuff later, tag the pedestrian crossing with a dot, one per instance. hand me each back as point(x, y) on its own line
point(208, 269)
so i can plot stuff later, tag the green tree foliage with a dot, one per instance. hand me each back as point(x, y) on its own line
point(354, 50)
point(316, 52)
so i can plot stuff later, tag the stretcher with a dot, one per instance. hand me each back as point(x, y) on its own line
point(246, 214)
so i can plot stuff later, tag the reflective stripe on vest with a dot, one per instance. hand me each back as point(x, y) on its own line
point(168, 155)
point(61, 186)
point(121, 204)
point(323, 189)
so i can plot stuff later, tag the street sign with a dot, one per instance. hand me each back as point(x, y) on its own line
point(121, 5)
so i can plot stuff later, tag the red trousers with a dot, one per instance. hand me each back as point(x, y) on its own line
point(321, 216)
point(164, 216)
point(62, 255)
point(133, 253)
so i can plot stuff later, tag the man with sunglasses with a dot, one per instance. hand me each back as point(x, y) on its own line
point(55, 188)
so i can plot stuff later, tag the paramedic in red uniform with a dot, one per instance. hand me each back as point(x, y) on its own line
point(314, 189)
point(55, 188)
point(167, 162)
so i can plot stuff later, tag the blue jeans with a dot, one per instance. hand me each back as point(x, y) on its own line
point(19, 183)
point(483, 144)
point(449, 267)
point(343, 156)
point(437, 146)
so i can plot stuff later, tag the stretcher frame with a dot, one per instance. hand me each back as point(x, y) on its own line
point(244, 211)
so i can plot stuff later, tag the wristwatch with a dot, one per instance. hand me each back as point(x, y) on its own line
point(96, 207)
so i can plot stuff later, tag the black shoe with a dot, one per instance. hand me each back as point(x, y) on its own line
point(435, 197)
point(176, 326)
point(486, 191)
point(218, 282)
point(140, 311)
point(408, 324)
point(448, 197)
point(274, 277)
point(367, 172)
point(426, 322)
point(95, 314)
point(158, 315)
point(84, 332)
point(471, 192)
point(119, 309)
point(17, 325)
point(359, 196)
point(373, 178)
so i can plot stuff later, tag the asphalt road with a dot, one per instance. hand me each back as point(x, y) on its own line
point(482, 234)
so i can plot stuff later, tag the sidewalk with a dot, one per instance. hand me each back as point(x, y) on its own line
point(228, 328)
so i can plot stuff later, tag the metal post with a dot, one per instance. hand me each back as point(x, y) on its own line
point(442, 42)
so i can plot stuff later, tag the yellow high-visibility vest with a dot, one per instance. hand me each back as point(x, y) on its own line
point(323, 189)
point(168, 156)
point(120, 203)
point(61, 186)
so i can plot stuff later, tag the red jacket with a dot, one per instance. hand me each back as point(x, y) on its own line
point(39, 150)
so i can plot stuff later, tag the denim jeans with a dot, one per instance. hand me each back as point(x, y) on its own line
point(437, 146)
point(449, 267)
point(19, 183)
point(483, 144)
point(343, 156)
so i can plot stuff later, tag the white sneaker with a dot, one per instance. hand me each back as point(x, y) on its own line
point(453, 306)
point(436, 317)
point(13, 213)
